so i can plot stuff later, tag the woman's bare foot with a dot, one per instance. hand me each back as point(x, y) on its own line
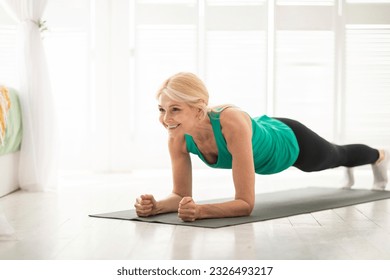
point(349, 179)
point(379, 169)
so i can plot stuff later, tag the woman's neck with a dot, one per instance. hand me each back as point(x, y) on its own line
point(203, 131)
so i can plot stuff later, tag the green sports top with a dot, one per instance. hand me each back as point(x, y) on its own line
point(275, 147)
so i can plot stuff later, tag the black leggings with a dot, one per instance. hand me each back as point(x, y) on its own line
point(318, 154)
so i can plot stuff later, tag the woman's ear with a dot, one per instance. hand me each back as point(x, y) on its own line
point(198, 114)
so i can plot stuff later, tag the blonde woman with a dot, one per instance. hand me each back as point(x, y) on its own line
point(227, 137)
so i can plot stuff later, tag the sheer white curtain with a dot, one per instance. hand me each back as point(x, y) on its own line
point(38, 160)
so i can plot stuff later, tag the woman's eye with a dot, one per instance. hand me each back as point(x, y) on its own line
point(161, 110)
point(175, 109)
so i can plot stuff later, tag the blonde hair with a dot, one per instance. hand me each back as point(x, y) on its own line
point(188, 88)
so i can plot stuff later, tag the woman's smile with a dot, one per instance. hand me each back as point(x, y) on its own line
point(172, 126)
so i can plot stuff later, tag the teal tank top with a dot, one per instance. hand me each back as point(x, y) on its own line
point(275, 147)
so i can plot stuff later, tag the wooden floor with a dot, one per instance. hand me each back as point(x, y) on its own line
point(55, 225)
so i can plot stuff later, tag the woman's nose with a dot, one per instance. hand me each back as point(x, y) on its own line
point(167, 117)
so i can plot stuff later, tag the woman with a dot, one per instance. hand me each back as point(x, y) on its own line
point(227, 137)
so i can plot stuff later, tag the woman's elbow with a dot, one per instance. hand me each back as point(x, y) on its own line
point(248, 209)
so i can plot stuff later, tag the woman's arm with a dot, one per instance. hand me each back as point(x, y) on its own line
point(146, 205)
point(237, 130)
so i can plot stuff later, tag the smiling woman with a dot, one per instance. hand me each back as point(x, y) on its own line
point(227, 137)
point(173, 114)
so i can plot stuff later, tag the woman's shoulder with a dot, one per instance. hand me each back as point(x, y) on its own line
point(228, 112)
point(234, 118)
point(225, 110)
point(222, 108)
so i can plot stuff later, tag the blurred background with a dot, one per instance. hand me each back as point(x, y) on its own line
point(324, 63)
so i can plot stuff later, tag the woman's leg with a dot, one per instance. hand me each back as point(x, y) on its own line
point(318, 154)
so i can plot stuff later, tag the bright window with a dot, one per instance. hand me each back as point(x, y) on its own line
point(326, 63)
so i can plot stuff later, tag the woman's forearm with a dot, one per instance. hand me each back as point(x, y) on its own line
point(168, 204)
point(234, 208)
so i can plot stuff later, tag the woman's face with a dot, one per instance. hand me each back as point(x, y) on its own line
point(176, 116)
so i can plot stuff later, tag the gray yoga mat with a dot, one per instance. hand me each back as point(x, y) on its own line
point(269, 206)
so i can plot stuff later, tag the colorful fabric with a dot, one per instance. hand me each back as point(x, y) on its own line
point(10, 121)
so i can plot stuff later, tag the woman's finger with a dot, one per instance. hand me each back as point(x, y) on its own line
point(185, 200)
